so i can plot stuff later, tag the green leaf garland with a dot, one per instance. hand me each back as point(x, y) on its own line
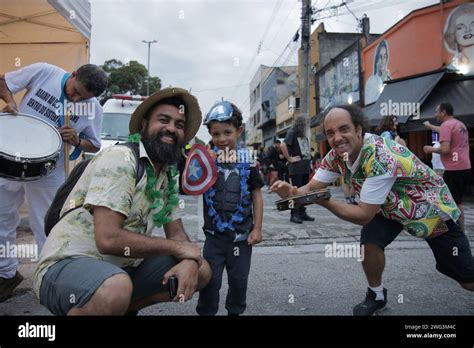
point(162, 217)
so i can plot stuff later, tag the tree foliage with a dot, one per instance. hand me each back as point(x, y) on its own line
point(129, 78)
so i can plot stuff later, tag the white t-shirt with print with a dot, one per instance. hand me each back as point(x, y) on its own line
point(43, 84)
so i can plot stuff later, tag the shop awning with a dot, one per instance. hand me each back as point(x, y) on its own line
point(402, 98)
point(458, 92)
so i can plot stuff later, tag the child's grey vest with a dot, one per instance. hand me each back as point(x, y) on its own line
point(225, 202)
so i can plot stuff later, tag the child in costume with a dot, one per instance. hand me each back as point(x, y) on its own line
point(233, 213)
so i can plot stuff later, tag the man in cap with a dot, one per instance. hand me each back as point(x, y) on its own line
point(101, 259)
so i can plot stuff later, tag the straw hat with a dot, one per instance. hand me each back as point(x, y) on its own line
point(191, 107)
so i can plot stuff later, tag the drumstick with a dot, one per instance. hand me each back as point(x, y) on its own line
point(66, 148)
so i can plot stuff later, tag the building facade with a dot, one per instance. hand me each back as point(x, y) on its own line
point(254, 135)
point(280, 82)
point(423, 60)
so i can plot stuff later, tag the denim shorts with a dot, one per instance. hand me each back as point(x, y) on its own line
point(72, 282)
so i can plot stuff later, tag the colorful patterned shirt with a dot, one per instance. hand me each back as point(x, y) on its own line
point(110, 181)
point(418, 198)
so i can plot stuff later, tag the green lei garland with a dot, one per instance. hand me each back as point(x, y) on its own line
point(163, 216)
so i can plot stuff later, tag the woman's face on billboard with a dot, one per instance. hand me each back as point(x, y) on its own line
point(465, 29)
point(382, 60)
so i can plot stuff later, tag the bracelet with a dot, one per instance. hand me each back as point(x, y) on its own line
point(79, 143)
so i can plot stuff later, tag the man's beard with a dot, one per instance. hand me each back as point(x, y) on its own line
point(159, 151)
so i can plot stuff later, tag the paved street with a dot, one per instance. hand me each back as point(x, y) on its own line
point(292, 275)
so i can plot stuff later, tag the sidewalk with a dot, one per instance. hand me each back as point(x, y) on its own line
point(292, 275)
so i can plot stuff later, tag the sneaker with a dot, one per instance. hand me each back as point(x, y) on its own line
point(8, 285)
point(370, 306)
point(306, 217)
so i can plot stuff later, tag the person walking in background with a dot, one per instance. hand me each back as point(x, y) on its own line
point(454, 151)
point(315, 164)
point(273, 161)
point(282, 167)
point(388, 129)
point(297, 152)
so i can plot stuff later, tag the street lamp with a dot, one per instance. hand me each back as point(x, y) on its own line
point(148, 80)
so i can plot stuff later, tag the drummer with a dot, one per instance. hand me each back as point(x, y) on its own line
point(51, 93)
point(397, 191)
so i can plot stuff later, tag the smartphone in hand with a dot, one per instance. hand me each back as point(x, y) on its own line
point(173, 286)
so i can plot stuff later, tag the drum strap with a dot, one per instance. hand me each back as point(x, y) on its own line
point(77, 151)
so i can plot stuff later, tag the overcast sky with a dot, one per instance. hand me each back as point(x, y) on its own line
point(211, 46)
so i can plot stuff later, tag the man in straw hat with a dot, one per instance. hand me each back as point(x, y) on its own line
point(101, 258)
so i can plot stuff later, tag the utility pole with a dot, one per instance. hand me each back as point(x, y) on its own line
point(148, 79)
point(305, 59)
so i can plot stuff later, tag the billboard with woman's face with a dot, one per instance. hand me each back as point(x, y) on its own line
point(459, 38)
point(380, 74)
point(427, 39)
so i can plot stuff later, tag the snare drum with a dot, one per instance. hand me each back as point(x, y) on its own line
point(29, 147)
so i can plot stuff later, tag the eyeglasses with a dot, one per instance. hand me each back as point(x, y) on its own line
point(220, 112)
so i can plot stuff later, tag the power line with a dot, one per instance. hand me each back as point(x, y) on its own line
point(321, 11)
point(274, 65)
point(272, 18)
point(270, 22)
point(364, 8)
point(290, 50)
point(327, 8)
point(281, 25)
point(348, 9)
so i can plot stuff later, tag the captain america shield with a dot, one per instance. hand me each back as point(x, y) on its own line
point(200, 171)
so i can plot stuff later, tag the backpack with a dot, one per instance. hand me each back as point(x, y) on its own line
point(53, 215)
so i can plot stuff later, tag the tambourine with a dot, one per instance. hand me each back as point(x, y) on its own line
point(302, 200)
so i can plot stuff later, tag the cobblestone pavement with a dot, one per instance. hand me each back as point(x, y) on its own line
point(277, 228)
point(291, 262)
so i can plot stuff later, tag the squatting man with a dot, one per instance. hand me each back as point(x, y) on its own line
point(397, 191)
point(100, 259)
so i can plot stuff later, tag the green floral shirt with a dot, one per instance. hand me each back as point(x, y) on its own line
point(109, 181)
point(418, 199)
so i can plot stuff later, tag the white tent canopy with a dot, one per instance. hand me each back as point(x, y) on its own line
point(52, 31)
point(77, 13)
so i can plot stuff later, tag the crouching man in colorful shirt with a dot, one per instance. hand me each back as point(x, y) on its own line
point(100, 258)
point(397, 191)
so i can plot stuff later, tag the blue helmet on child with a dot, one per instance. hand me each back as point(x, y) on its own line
point(220, 112)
